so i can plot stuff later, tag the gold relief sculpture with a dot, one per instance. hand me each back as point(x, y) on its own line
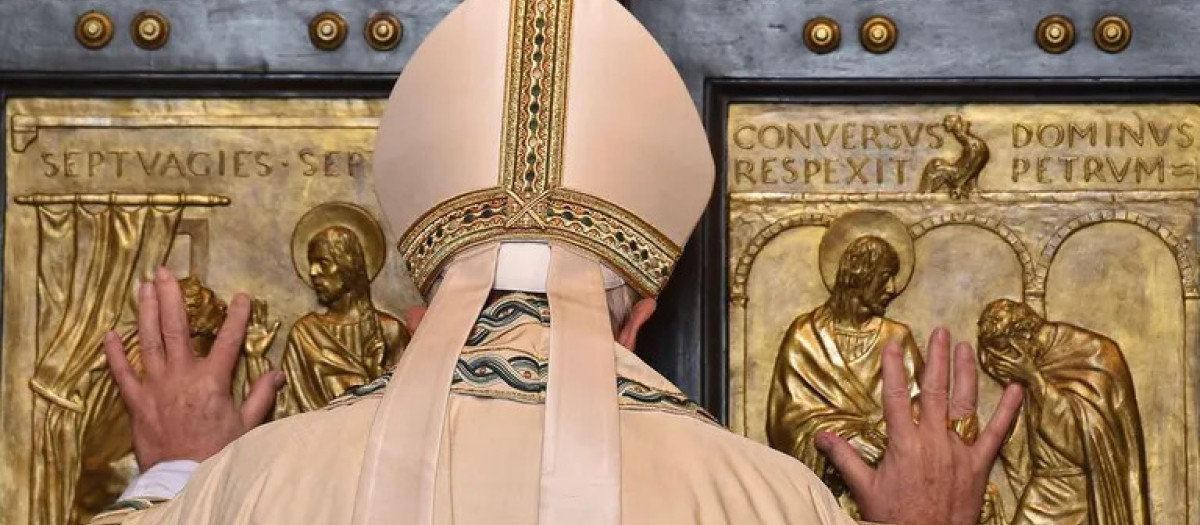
point(828, 374)
point(958, 177)
point(1085, 214)
point(1076, 455)
point(260, 335)
point(88, 259)
point(338, 249)
point(107, 190)
point(992, 512)
point(83, 450)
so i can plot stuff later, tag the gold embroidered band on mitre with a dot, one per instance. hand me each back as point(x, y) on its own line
point(529, 201)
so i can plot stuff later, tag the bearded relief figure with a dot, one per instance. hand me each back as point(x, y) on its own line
point(1076, 455)
point(828, 374)
point(338, 250)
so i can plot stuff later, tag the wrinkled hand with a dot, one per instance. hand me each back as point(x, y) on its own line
point(928, 476)
point(183, 408)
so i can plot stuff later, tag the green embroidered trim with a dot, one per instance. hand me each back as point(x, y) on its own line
point(523, 378)
point(520, 373)
point(135, 504)
point(505, 313)
point(499, 316)
point(130, 505)
point(638, 396)
point(518, 376)
point(365, 390)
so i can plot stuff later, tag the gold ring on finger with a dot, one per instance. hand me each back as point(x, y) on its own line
point(967, 428)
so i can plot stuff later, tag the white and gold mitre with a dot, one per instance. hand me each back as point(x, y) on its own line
point(531, 145)
point(545, 120)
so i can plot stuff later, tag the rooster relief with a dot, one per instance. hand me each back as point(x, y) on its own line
point(960, 176)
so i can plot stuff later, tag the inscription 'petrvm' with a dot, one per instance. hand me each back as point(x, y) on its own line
point(803, 149)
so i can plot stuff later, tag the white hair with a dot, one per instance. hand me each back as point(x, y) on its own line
point(620, 303)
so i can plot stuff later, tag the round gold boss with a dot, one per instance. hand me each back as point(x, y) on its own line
point(150, 30)
point(1055, 34)
point(327, 31)
point(93, 30)
point(383, 31)
point(822, 34)
point(1112, 34)
point(879, 34)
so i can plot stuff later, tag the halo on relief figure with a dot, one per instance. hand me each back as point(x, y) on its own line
point(851, 226)
point(346, 215)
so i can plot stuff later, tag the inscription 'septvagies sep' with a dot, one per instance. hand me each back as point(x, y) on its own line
point(222, 192)
point(1058, 239)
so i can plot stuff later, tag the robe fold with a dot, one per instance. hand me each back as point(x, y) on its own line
point(323, 358)
point(1084, 456)
point(815, 388)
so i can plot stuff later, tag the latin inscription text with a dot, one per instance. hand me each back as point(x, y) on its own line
point(248, 164)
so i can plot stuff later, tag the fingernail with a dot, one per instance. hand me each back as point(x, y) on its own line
point(822, 440)
point(111, 337)
point(279, 380)
point(162, 273)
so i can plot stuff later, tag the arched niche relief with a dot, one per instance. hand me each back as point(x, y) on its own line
point(776, 273)
point(963, 262)
point(1178, 248)
point(995, 226)
point(1129, 278)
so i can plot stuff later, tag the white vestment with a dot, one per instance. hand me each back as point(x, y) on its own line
point(677, 464)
